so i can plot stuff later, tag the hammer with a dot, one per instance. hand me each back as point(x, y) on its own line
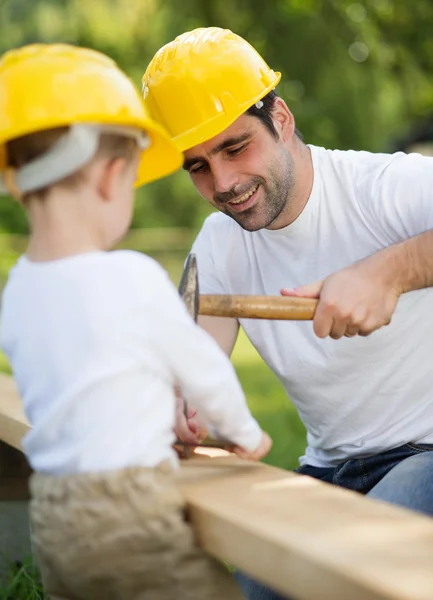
point(189, 292)
point(240, 306)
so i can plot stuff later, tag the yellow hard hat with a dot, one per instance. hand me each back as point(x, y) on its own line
point(44, 86)
point(199, 84)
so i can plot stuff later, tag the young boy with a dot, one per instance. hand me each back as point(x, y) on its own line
point(98, 340)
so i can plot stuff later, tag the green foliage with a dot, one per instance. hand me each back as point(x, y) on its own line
point(355, 74)
point(22, 582)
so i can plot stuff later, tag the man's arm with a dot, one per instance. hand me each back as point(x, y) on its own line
point(223, 330)
point(395, 197)
point(413, 262)
point(362, 298)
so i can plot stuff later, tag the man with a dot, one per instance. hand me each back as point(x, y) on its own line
point(353, 229)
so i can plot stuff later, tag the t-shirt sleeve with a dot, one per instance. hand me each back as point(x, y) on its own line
point(397, 198)
point(198, 365)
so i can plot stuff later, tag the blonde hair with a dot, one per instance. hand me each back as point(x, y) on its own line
point(23, 150)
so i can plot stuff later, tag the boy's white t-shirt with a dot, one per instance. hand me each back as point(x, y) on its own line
point(97, 343)
point(357, 396)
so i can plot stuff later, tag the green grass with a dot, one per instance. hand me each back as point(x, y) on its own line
point(22, 582)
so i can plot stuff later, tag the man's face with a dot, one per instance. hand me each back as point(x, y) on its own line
point(245, 173)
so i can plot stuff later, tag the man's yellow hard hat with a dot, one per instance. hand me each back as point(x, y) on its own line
point(44, 86)
point(199, 84)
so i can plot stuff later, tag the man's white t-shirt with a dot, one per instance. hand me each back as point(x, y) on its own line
point(97, 343)
point(356, 396)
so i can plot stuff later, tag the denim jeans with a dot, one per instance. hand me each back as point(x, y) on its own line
point(402, 476)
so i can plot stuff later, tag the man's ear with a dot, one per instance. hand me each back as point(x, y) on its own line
point(110, 176)
point(283, 119)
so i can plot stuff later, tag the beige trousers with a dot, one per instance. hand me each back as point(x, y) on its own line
point(120, 536)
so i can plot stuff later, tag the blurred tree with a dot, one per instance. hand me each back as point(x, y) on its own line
point(355, 74)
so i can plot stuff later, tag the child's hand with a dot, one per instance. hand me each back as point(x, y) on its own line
point(262, 449)
point(188, 428)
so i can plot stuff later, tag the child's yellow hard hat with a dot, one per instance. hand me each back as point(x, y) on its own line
point(44, 86)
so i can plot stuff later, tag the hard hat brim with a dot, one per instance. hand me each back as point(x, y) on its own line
point(161, 158)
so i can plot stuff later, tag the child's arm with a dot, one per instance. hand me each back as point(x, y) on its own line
point(203, 372)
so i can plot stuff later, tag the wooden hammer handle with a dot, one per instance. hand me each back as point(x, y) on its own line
point(257, 307)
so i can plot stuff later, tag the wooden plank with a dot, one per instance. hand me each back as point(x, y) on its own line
point(305, 538)
point(13, 423)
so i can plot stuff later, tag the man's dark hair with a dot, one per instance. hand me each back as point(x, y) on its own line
point(264, 113)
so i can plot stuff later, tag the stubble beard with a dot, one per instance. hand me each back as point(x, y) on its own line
point(276, 196)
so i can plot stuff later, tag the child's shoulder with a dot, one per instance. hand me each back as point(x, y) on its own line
point(132, 259)
point(139, 266)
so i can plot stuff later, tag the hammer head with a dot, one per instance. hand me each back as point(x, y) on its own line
point(188, 287)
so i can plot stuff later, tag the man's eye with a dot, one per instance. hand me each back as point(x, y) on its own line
point(197, 169)
point(237, 150)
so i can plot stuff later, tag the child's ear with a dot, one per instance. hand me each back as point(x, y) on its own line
point(110, 176)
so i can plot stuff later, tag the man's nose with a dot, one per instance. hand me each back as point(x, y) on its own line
point(225, 178)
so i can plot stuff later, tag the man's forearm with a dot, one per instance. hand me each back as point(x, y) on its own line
point(409, 264)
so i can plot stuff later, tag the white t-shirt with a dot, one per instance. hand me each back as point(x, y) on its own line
point(97, 343)
point(357, 396)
